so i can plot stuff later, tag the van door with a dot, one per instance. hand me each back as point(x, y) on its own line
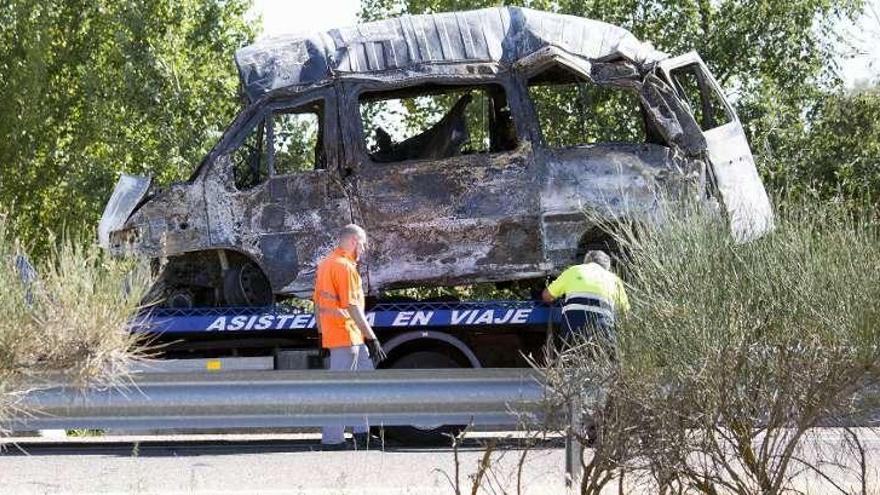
point(445, 189)
point(597, 147)
point(732, 164)
point(281, 199)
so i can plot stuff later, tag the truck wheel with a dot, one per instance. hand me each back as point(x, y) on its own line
point(435, 435)
point(180, 298)
point(245, 285)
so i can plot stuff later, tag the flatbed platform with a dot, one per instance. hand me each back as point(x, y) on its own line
point(280, 318)
point(470, 334)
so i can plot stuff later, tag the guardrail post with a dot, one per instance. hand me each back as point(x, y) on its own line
point(574, 451)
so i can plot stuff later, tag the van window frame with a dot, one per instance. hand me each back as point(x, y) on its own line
point(542, 138)
point(269, 105)
point(707, 88)
point(355, 89)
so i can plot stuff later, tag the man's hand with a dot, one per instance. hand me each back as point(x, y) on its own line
point(377, 354)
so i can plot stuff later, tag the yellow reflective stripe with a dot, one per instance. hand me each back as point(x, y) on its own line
point(328, 295)
point(334, 311)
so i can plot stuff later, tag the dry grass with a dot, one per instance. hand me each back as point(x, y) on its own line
point(71, 321)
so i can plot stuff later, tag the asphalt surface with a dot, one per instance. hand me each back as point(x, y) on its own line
point(256, 464)
point(294, 464)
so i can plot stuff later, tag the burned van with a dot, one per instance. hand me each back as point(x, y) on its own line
point(468, 144)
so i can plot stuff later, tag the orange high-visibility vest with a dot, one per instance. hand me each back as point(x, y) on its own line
point(337, 285)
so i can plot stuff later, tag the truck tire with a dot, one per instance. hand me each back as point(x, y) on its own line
point(246, 285)
point(433, 435)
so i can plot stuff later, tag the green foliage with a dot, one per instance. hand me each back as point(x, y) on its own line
point(811, 279)
point(582, 113)
point(777, 60)
point(838, 154)
point(296, 139)
point(90, 89)
point(731, 352)
point(754, 344)
point(71, 319)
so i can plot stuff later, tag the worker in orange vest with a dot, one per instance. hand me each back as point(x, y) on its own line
point(342, 323)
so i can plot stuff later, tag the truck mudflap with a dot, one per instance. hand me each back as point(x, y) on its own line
point(127, 195)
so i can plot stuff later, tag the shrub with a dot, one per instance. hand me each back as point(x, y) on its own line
point(733, 352)
point(69, 321)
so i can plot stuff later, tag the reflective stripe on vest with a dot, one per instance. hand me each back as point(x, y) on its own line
point(590, 309)
point(585, 301)
point(589, 299)
point(328, 295)
point(334, 312)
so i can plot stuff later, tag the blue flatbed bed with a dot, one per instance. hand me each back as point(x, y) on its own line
point(474, 333)
point(280, 318)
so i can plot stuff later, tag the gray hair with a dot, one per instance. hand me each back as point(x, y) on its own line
point(349, 231)
point(599, 257)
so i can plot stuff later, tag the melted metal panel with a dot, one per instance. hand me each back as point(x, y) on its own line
point(432, 42)
point(614, 180)
point(459, 220)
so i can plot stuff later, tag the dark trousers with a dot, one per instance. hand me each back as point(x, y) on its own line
point(580, 326)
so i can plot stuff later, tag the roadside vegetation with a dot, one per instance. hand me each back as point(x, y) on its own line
point(65, 318)
point(732, 352)
point(731, 356)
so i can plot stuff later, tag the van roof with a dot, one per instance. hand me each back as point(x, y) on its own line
point(433, 44)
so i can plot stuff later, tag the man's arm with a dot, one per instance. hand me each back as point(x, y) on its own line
point(360, 319)
point(622, 301)
point(377, 354)
point(555, 289)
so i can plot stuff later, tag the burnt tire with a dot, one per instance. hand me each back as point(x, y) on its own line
point(246, 285)
point(434, 435)
point(180, 298)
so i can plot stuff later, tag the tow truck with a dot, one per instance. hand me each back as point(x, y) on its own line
point(475, 334)
point(472, 334)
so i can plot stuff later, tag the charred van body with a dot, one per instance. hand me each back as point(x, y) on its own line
point(448, 137)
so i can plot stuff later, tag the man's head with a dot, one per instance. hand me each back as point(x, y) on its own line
point(353, 239)
point(598, 257)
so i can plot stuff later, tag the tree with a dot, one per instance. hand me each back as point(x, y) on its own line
point(838, 155)
point(91, 88)
point(777, 60)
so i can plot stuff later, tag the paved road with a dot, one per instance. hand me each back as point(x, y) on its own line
point(239, 465)
point(291, 463)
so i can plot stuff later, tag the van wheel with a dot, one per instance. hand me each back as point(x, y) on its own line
point(245, 285)
point(180, 298)
point(435, 435)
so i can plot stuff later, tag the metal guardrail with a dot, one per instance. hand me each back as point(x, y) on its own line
point(494, 397)
point(214, 365)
